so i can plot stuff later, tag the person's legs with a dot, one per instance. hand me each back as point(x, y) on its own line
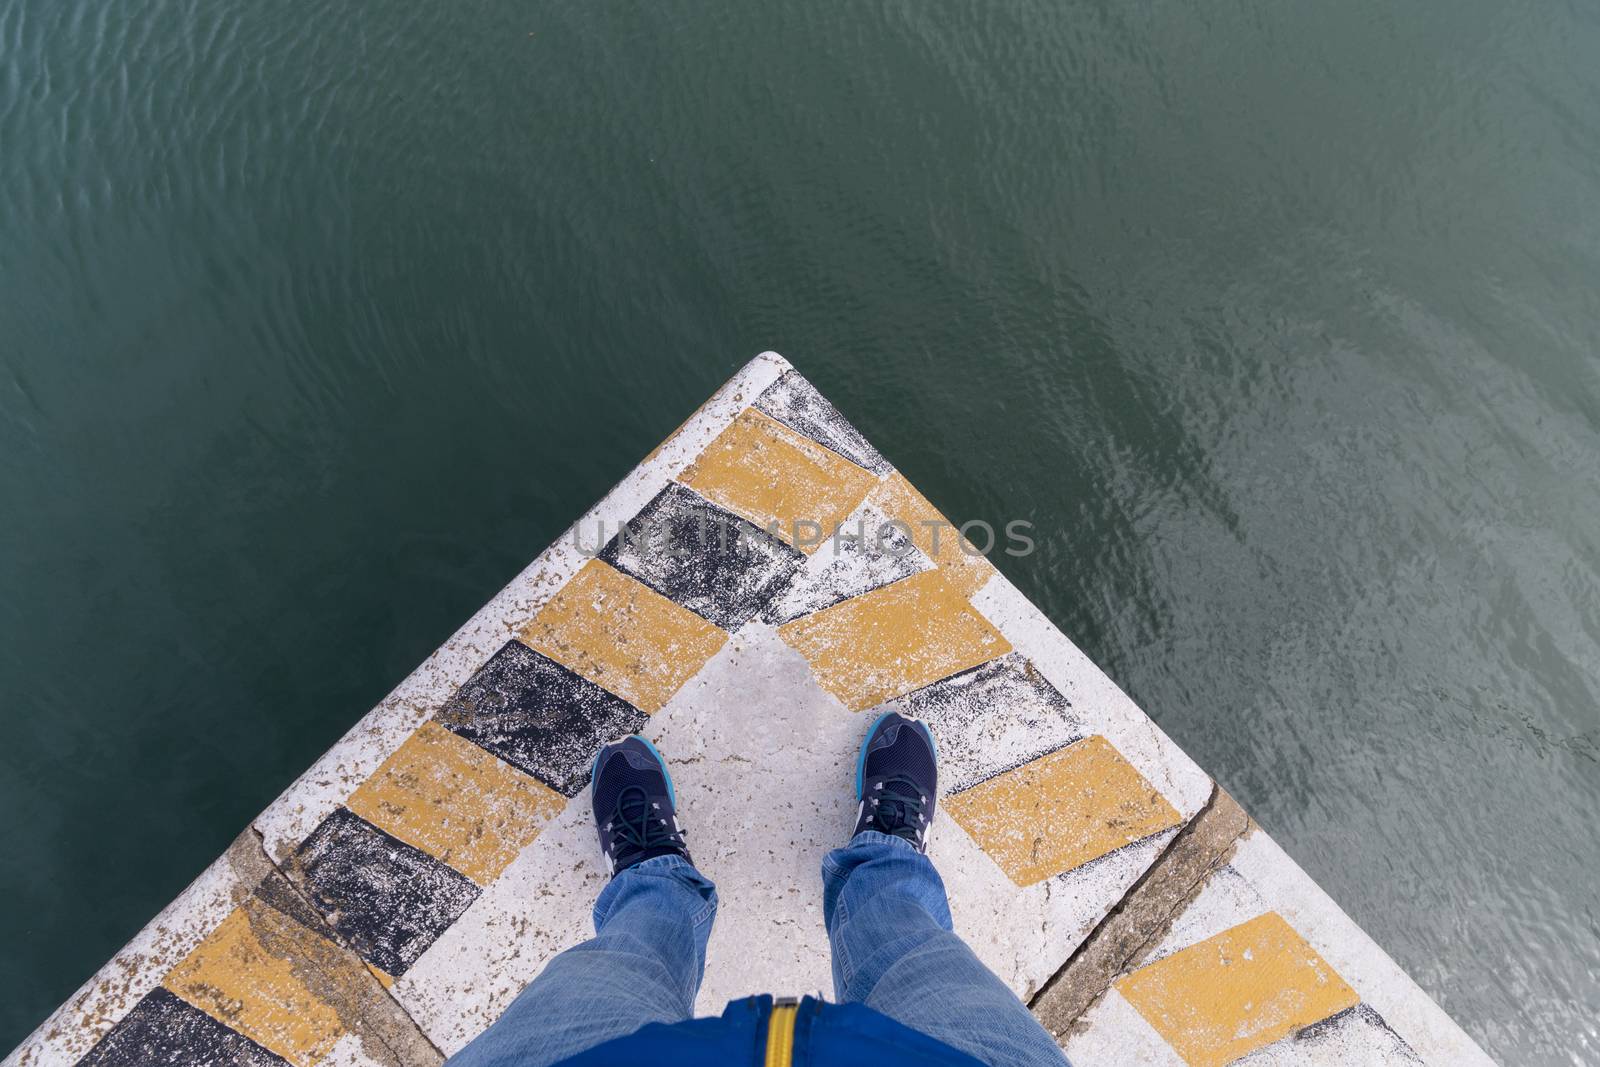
point(894, 951)
point(888, 919)
point(652, 922)
point(644, 965)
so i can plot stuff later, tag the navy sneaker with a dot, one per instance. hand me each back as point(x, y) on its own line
point(635, 806)
point(897, 779)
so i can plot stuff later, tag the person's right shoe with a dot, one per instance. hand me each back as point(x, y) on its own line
point(897, 779)
point(635, 805)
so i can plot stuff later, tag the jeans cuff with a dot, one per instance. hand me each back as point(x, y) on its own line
point(668, 868)
point(873, 837)
point(662, 863)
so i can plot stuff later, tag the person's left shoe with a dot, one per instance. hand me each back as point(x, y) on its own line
point(635, 805)
point(897, 779)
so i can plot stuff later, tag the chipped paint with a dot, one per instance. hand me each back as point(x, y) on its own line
point(387, 899)
point(794, 402)
point(1356, 1035)
point(538, 716)
point(163, 1029)
point(255, 974)
point(457, 802)
point(936, 536)
point(621, 634)
point(721, 567)
point(763, 471)
point(993, 718)
point(1062, 810)
point(1236, 992)
point(865, 553)
point(894, 639)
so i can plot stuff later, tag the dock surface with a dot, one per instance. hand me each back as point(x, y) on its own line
point(396, 898)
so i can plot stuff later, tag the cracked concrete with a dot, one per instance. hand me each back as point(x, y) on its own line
point(1143, 916)
point(371, 1015)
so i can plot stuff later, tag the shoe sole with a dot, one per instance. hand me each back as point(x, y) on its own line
point(672, 791)
point(861, 757)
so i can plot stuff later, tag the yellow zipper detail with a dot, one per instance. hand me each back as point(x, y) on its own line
point(780, 1035)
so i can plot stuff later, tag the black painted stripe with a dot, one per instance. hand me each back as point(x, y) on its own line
point(796, 403)
point(163, 1030)
point(721, 567)
point(388, 900)
point(539, 716)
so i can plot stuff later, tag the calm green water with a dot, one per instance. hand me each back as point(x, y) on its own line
point(1280, 320)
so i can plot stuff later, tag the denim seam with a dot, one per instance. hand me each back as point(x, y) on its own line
point(841, 951)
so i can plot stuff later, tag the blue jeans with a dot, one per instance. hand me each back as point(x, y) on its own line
point(893, 950)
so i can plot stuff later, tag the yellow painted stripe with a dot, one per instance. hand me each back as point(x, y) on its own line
point(1239, 991)
point(760, 469)
point(780, 1035)
point(456, 802)
point(967, 568)
point(1061, 811)
point(624, 636)
point(894, 639)
point(271, 979)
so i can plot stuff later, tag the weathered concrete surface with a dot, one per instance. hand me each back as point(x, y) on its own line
point(1126, 935)
point(397, 897)
point(373, 1026)
point(1259, 965)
